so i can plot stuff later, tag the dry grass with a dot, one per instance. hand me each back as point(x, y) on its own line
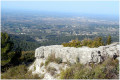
point(19, 72)
point(51, 58)
point(51, 70)
point(109, 69)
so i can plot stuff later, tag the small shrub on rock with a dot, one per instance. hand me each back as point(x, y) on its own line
point(51, 58)
point(41, 64)
point(77, 60)
point(46, 62)
point(51, 70)
point(34, 67)
point(58, 60)
point(67, 74)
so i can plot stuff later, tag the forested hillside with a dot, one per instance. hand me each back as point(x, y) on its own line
point(14, 61)
point(28, 43)
point(17, 54)
point(25, 42)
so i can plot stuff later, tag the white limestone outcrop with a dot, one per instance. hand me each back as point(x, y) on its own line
point(83, 54)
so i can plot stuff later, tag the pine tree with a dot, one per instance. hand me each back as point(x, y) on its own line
point(6, 47)
point(8, 56)
point(15, 60)
point(109, 40)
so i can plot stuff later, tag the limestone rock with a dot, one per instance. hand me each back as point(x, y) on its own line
point(83, 55)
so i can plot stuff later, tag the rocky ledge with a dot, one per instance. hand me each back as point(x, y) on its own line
point(84, 55)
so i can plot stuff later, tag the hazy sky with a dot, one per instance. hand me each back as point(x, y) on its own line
point(94, 7)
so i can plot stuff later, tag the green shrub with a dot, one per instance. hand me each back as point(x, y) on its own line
point(58, 60)
point(108, 40)
point(51, 58)
point(81, 74)
point(68, 63)
point(77, 60)
point(99, 72)
point(34, 67)
point(109, 69)
point(96, 42)
point(51, 70)
point(19, 72)
point(46, 62)
point(67, 74)
point(41, 64)
point(27, 57)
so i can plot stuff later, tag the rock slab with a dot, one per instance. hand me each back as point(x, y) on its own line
point(83, 54)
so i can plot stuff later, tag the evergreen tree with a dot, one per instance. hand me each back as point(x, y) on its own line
point(8, 56)
point(100, 42)
point(109, 40)
point(6, 47)
point(15, 60)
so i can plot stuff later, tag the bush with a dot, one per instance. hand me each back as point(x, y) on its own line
point(19, 72)
point(34, 67)
point(51, 58)
point(27, 57)
point(96, 42)
point(77, 59)
point(109, 69)
point(67, 74)
point(108, 40)
point(58, 60)
point(46, 62)
point(41, 64)
point(51, 70)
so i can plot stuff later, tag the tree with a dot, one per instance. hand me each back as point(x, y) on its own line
point(100, 42)
point(6, 47)
point(109, 40)
point(8, 56)
point(15, 60)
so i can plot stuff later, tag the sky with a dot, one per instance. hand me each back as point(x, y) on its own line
point(89, 7)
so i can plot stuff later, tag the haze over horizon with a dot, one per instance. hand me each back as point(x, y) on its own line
point(88, 7)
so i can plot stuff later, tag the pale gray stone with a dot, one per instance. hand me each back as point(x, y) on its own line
point(84, 55)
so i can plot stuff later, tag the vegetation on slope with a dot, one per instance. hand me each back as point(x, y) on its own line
point(8, 57)
point(96, 42)
point(25, 42)
point(19, 72)
point(14, 63)
point(109, 69)
point(51, 58)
